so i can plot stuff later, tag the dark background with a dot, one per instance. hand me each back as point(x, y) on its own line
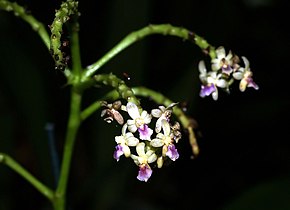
point(244, 161)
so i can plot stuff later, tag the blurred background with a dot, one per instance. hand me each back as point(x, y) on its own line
point(244, 160)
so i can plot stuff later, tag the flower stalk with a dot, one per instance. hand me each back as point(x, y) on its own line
point(163, 29)
point(20, 11)
point(11, 163)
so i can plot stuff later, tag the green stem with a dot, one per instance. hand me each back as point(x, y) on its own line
point(73, 125)
point(75, 53)
point(74, 120)
point(124, 91)
point(35, 24)
point(7, 160)
point(113, 95)
point(163, 29)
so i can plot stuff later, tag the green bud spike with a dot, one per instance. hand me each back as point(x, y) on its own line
point(124, 91)
point(62, 15)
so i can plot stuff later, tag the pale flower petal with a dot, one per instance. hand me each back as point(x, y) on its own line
point(133, 110)
point(140, 149)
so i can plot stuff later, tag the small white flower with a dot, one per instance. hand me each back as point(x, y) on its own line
point(211, 80)
point(145, 155)
point(139, 122)
point(222, 61)
point(245, 75)
point(162, 114)
point(165, 141)
point(126, 140)
point(162, 138)
point(144, 158)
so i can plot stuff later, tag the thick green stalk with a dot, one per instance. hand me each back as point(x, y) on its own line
point(21, 12)
point(7, 160)
point(72, 128)
point(163, 29)
point(73, 122)
point(75, 53)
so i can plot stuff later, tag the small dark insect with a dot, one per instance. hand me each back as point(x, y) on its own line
point(111, 112)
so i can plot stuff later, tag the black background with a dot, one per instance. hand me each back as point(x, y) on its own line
point(244, 137)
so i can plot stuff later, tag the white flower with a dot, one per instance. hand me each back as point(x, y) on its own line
point(144, 158)
point(162, 138)
point(139, 122)
point(222, 61)
point(211, 80)
point(245, 75)
point(126, 140)
point(162, 114)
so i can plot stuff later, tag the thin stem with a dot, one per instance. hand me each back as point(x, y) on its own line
point(75, 52)
point(34, 23)
point(97, 104)
point(124, 91)
point(43, 189)
point(73, 125)
point(163, 29)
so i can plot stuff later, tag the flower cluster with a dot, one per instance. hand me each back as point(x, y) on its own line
point(224, 69)
point(144, 145)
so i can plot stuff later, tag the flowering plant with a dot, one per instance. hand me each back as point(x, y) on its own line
point(147, 137)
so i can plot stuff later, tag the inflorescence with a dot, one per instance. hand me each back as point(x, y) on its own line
point(224, 70)
point(147, 145)
point(144, 145)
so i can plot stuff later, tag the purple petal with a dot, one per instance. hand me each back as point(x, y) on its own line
point(251, 83)
point(145, 173)
point(206, 90)
point(227, 70)
point(145, 132)
point(118, 152)
point(172, 152)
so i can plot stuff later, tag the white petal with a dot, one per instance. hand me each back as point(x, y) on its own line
point(124, 128)
point(158, 125)
point(131, 126)
point(140, 149)
point(238, 75)
point(126, 150)
point(132, 110)
point(156, 113)
point(156, 143)
point(152, 158)
point(165, 127)
point(220, 51)
point(221, 83)
point(215, 66)
point(215, 95)
point(201, 67)
point(146, 117)
point(135, 159)
point(132, 141)
point(246, 61)
point(119, 139)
